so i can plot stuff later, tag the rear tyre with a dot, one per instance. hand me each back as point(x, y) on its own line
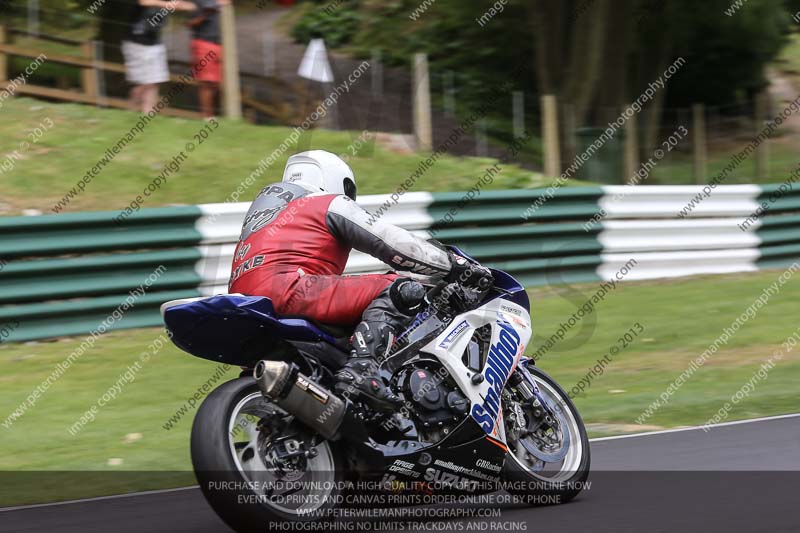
point(240, 473)
point(551, 465)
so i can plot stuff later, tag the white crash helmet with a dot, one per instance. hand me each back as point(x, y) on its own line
point(322, 171)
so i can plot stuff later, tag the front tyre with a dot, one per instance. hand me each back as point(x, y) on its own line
point(549, 458)
point(256, 465)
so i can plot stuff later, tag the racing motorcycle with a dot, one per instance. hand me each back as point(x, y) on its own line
point(278, 445)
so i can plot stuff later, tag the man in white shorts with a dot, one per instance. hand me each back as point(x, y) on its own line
point(144, 51)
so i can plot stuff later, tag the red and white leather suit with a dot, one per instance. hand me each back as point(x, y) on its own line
point(295, 244)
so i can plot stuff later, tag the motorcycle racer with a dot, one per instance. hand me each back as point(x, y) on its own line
point(295, 241)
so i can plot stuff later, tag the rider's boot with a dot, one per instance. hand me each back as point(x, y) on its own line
point(360, 375)
point(373, 340)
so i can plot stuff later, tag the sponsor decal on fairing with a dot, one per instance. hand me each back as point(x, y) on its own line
point(500, 362)
point(453, 335)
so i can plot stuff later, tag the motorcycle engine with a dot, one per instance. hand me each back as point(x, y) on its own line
point(438, 403)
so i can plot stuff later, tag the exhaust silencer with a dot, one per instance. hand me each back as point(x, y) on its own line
point(313, 405)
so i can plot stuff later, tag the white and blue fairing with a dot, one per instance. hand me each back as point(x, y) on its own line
point(508, 314)
point(235, 329)
point(511, 331)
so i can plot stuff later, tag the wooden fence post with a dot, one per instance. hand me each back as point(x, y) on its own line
point(569, 135)
point(552, 155)
point(481, 140)
point(631, 149)
point(331, 118)
point(268, 49)
point(449, 93)
point(423, 126)
point(699, 132)
point(518, 110)
point(231, 91)
point(249, 113)
point(98, 62)
point(33, 17)
point(376, 82)
point(762, 150)
point(3, 56)
point(88, 79)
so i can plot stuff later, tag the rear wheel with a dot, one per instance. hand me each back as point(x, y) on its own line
point(256, 465)
point(549, 458)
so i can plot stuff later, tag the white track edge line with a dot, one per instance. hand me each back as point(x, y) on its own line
point(597, 439)
point(694, 428)
point(97, 498)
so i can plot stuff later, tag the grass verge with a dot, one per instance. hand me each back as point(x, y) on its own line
point(80, 135)
point(680, 319)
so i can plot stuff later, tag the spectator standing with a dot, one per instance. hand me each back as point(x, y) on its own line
point(207, 52)
point(144, 51)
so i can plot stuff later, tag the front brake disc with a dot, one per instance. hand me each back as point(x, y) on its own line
point(538, 452)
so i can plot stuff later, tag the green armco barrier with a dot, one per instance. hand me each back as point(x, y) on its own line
point(781, 256)
point(552, 271)
point(84, 285)
point(780, 233)
point(779, 229)
point(545, 240)
point(506, 229)
point(514, 207)
point(96, 231)
point(780, 198)
point(86, 276)
point(100, 218)
point(59, 319)
point(66, 274)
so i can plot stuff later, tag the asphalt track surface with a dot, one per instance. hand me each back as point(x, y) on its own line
point(736, 477)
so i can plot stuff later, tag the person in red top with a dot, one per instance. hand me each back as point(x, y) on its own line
point(295, 241)
point(207, 52)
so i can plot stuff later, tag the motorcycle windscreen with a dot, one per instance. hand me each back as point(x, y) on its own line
point(514, 291)
point(234, 329)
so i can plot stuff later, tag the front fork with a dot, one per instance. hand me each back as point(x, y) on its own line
point(522, 381)
point(541, 411)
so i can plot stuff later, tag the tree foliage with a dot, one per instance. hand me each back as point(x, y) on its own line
point(594, 54)
point(725, 55)
point(337, 26)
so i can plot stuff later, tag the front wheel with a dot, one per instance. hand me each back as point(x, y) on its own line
point(256, 465)
point(548, 459)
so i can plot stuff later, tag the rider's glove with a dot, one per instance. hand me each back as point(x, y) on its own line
point(465, 273)
point(459, 299)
